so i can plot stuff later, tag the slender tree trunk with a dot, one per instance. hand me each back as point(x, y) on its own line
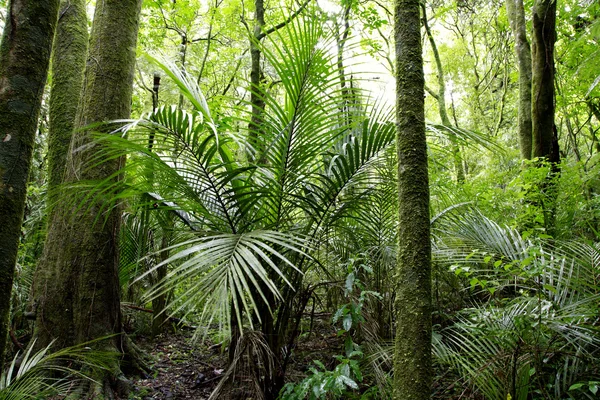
point(256, 76)
point(81, 298)
point(68, 65)
point(159, 303)
point(516, 17)
point(256, 73)
point(24, 57)
point(412, 353)
point(183, 53)
point(341, 39)
point(441, 100)
point(213, 11)
point(545, 137)
point(545, 142)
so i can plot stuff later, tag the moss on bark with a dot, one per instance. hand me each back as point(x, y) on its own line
point(516, 17)
point(80, 300)
point(24, 58)
point(68, 65)
point(412, 352)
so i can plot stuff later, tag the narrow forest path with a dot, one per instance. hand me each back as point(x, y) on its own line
point(184, 369)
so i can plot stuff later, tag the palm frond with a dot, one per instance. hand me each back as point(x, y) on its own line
point(215, 271)
point(44, 373)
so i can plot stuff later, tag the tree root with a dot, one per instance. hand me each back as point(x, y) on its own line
point(137, 362)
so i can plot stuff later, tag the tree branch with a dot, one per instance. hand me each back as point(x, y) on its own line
point(284, 23)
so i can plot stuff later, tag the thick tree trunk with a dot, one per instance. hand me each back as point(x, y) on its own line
point(68, 65)
point(545, 142)
point(24, 57)
point(81, 299)
point(412, 353)
point(516, 17)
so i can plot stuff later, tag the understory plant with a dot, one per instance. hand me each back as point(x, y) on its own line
point(528, 328)
point(262, 205)
point(44, 373)
point(343, 381)
point(252, 201)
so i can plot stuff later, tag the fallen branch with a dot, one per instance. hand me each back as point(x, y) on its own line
point(15, 340)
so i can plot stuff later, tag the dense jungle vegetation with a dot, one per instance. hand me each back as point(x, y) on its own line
point(309, 199)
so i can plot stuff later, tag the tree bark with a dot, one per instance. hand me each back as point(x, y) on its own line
point(24, 57)
point(545, 142)
point(256, 76)
point(412, 353)
point(81, 298)
point(68, 65)
point(516, 17)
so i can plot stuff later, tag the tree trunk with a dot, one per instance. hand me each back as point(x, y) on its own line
point(441, 100)
point(24, 57)
point(81, 299)
point(68, 65)
point(545, 142)
point(516, 17)
point(412, 353)
point(256, 76)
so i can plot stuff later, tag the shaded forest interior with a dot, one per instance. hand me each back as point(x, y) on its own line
point(310, 199)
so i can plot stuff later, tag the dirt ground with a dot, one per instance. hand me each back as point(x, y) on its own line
point(182, 369)
point(186, 370)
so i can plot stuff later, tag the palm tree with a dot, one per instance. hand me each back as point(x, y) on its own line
point(253, 228)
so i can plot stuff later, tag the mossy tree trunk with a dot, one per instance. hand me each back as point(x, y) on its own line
point(256, 77)
point(545, 142)
point(516, 17)
point(68, 65)
point(24, 58)
point(412, 352)
point(544, 134)
point(81, 298)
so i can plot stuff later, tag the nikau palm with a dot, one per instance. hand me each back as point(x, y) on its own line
point(253, 227)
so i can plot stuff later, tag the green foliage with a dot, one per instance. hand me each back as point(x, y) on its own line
point(325, 384)
point(344, 380)
point(44, 374)
point(529, 329)
point(252, 227)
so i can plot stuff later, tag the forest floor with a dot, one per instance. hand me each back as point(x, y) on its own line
point(184, 369)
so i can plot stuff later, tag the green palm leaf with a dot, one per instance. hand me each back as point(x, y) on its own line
point(215, 271)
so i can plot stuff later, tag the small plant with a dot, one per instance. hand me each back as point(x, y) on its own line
point(44, 374)
point(344, 379)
